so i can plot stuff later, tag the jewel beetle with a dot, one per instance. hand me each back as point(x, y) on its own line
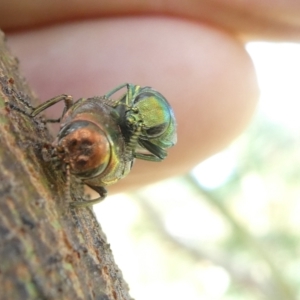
point(100, 137)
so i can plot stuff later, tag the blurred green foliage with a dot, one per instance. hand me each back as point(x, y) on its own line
point(239, 240)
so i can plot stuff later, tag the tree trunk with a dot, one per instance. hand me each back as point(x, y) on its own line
point(47, 249)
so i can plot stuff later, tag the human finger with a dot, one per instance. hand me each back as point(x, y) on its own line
point(257, 19)
point(205, 74)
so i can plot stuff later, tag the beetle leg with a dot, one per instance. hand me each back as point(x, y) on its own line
point(155, 150)
point(67, 99)
point(20, 110)
point(148, 157)
point(131, 91)
point(35, 111)
point(99, 189)
point(107, 95)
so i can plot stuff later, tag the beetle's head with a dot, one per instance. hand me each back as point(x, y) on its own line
point(155, 115)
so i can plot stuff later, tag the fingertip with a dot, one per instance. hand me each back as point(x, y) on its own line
point(205, 74)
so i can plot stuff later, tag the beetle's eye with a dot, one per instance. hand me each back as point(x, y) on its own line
point(156, 131)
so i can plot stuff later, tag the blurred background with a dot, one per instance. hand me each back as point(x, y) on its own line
point(230, 229)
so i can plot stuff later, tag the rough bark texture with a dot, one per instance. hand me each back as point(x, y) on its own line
point(47, 249)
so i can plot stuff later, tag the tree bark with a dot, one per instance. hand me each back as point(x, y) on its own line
point(47, 249)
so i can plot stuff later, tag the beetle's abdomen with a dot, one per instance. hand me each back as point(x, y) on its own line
point(85, 148)
point(108, 156)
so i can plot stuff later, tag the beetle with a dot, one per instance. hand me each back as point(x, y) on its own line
point(99, 137)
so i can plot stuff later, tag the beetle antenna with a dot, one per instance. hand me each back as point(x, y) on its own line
point(68, 185)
